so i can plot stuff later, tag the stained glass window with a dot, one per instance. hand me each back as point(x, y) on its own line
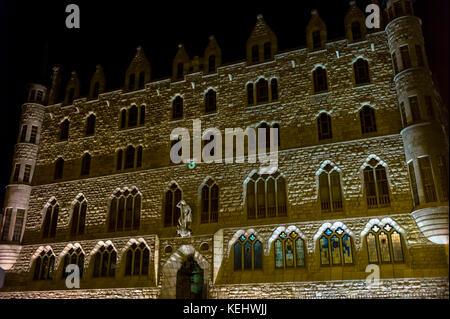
point(278, 245)
point(289, 251)
point(384, 244)
point(335, 248)
point(247, 253)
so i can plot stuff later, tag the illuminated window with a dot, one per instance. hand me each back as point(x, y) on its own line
point(384, 245)
point(289, 251)
point(335, 248)
point(44, 266)
point(376, 185)
point(330, 190)
point(266, 196)
point(125, 211)
point(247, 253)
point(78, 216)
point(172, 212)
point(210, 202)
point(137, 260)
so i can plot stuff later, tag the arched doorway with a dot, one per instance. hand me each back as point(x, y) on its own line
point(190, 280)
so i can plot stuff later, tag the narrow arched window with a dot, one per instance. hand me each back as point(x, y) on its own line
point(180, 70)
point(139, 156)
point(90, 125)
point(419, 55)
point(74, 257)
point(177, 108)
point(320, 80)
point(96, 90)
point(132, 79)
point(250, 97)
point(50, 220)
point(64, 130)
point(264, 141)
point(78, 216)
point(210, 101)
point(289, 250)
point(368, 123)
point(247, 253)
point(267, 51)
point(123, 118)
point(142, 115)
point(44, 266)
point(211, 64)
point(266, 196)
point(132, 116)
point(105, 262)
point(274, 89)
point(125, 211)
point(85, 164)
point(406, 58)
point(209, 202)
point(71, 96)
point(317, 40)
point(330, 191)
point(356, 31)
point(335, 248)
point(415, 109)
point(137, 260)
point(141, 80)
point(172, 212)
point(129, 157)
point(119, 160)
point(384, 244)
point(376, 185)
point(277, 127)
point(262, 91)
point(59, 168)
point(324, 126)
point(426, 175)
point(255, 53)
point(361, 69)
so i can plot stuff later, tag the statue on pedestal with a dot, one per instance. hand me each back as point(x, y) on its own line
point(184, 220)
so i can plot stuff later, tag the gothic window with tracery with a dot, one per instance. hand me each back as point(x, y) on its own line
point(330, 191)
point(125, 210)
point(137, 260)
point(247, 253)
point(44, 266)
point(384, 245)
point(376, 185)
point(335, 248)
point(172, 212)
point(289, 251)
point(105, 262)
point(75, 257)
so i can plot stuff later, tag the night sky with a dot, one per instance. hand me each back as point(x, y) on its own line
point(33, 38)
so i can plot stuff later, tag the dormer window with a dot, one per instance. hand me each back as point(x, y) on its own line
point(267, 51)
point(180, 67)
point(356, 31)
point(317, 41)
point(141, 80)
point(211, 64)
point(255, 53)
point(131, 83)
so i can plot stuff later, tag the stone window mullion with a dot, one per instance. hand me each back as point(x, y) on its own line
point(329, 192)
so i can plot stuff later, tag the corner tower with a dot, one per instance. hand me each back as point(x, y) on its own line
point(426, 147)
point(12, 219)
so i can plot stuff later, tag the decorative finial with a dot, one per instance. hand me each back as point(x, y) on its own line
point(352, 3)
point(211, 38)
point(180, 45)
point(260, 17)
point(314, 12)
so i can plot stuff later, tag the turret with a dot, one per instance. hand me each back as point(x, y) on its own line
point(426, 148)
point(13, 217)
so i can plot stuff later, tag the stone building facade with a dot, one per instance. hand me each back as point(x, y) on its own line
point(361, 177)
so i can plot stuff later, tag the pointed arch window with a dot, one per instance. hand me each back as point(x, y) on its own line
point(289, 251)
point(361, 69)
point(142, 115)
point(79, 216)
point(210, 101)
point(330, 190)
point(125, 211)
point(132, 116)
point(64, 130)
point(324, 126)
point(367, 117)
point(137, 260)
point(171, 211)
point(59, 168)
point(255, 53)
point(262, 91)
point(247, 253)
point(266, 196)
point(132, 79)
point(123, 118)
point(356, 31)
point(274, 89)
point(75, 257)
point(384, 245)
point(85, 164)
point(105, 262)
point(177, 108)
point(129, 157)
point(141, 80)
point(44, 266)
point(90, 125)
point(50, 220)
point(335, 248)
point(317, 41)
point(209, 202)
point(376, 185)
point(320, 80)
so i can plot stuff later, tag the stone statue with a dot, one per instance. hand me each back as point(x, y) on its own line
point(184, 220)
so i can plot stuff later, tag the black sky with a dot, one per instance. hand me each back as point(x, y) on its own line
point(111, 30)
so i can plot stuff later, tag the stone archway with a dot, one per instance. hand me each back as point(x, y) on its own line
point(171, 268)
